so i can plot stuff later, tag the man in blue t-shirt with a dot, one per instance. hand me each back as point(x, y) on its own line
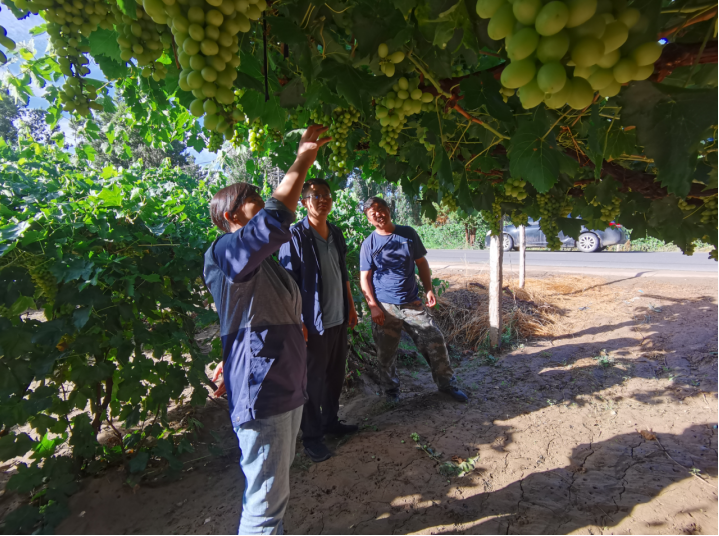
point(387, 262)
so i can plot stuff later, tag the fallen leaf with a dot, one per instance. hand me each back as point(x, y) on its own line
point(649, 436)
point(207, 521)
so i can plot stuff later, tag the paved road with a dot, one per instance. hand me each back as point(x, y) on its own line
point(630, 260)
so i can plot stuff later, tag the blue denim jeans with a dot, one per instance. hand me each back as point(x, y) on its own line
point(268, 449)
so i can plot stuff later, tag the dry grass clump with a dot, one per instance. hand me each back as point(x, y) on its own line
point(534, 311)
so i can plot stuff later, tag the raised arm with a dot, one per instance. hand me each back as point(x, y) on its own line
point(290, 189)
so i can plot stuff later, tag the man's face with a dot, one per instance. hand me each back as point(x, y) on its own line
point(318, 201)
point(379, 215)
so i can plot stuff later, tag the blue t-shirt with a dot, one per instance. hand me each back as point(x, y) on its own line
point(391, 259)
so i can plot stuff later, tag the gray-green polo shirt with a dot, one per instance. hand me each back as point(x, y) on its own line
point(333, 307)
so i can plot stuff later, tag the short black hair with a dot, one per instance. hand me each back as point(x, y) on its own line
point(371, 201)
point(229, 199)
point(314, 182)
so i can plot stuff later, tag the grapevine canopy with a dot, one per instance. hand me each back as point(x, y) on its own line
point(599, 109)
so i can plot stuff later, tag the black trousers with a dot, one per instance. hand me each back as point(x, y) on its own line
point(326, 362)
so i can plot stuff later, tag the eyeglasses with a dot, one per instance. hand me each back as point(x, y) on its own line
point(318, 197)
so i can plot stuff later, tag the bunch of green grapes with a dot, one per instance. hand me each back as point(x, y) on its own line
point(548, 41)
point(43, 280)
point(515, 188)
point(494, 217)
point(405, 99)
point(610, 211)
point(144, 40)
point(519, 218)
point(318, 117)
point(339, 129)
point(7, 43)
point(551, 208)
point(77, 95)
point(206, 35)
point(433, 183)
point(449, 203)
point(68, 22)
point(388, 61)
point(295, 120)
point(709, 214)
point(257, 137)
point(215, 141)
point(688, 250)
point(684, 206)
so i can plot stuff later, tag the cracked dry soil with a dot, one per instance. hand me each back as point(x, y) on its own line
point(557, 432)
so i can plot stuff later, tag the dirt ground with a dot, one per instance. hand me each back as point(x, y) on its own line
point(556, 424)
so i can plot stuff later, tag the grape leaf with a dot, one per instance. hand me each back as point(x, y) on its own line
point(443, 168)
point(532, 158)
point(671, 122)
point(128, 7)
point(483, 89)
point(104, 42)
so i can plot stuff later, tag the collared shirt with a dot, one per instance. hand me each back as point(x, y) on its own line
point(259, 305)
point(392, 260)
point(332, 301)
point(301, 258)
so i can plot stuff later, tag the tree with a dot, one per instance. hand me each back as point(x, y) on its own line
point(9, 112)
point(33, 125)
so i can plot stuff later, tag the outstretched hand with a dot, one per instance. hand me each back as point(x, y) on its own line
point(311, 142)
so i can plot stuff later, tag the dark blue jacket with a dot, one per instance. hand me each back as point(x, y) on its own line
point(300, 259)
point(259, 305)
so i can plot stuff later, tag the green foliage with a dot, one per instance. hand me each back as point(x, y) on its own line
point(100, 300)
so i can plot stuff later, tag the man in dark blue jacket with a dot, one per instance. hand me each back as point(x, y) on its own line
point(263, 346)
point(316, 260)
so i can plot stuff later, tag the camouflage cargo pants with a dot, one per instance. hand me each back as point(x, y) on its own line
point(414, 319)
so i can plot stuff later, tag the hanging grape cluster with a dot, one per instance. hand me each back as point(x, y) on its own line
point(7, 43)
point(44, 281)
point(405, 99)
point(515, 188)
point(206, 35)
point(494, 217)
point(422, 138)
point(388, 61)
point(143, 39)
point(257, 136)
point(684, 206)
point(610, 211)
point(546, 41)
point(68, 22)
point(551, 208)
point(339, 130)
point(449, 203)
point(709, 214)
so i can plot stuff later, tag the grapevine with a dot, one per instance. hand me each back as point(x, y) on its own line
point(494, 217)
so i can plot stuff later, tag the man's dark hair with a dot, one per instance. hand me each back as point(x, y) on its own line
point(314, 182)
point(229, 199)
point(371, 201)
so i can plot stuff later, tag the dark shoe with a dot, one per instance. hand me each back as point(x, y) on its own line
point(318, 452)
point(455, 393)
point(392, 398)
point(340, 428)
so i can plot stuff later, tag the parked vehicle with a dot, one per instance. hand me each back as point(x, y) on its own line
point(589, 240)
